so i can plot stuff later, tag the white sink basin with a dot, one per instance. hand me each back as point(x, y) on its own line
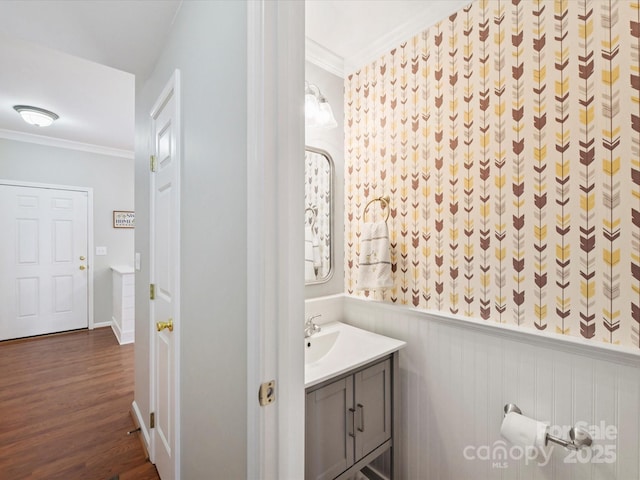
point(318, 345)
point(339, 347)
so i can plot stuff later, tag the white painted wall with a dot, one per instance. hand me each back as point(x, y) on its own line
point(457, 375)
point(207, 43)
point(332, 87)
point(112, 181)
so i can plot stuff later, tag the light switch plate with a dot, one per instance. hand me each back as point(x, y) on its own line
point(101, 250)
point(137, 261)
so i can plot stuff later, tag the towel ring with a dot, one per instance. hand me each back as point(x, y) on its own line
point(385, 204)
point(313, 215)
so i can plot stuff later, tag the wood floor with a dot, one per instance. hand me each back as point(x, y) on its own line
point(64, 409)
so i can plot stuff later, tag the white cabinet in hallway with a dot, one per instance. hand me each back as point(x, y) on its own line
point(123, 316)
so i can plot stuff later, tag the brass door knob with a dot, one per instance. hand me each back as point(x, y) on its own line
point(82, 257)
point(82, 267)
point(162, 325)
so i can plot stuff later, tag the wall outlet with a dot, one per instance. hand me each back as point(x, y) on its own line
point(101, 250)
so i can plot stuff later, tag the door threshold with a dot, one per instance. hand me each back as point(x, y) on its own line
point(42, 335)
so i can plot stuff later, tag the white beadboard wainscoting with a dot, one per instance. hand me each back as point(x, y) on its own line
point(457, 375)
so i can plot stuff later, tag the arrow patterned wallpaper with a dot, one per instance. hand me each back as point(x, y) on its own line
point(508, 137)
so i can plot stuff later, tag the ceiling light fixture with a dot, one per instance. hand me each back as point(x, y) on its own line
point(36, 116)
point(317, 111)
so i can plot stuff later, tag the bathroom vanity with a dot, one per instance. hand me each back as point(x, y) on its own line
point(351, 403)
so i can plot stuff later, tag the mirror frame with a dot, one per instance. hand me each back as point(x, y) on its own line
point(332, 167)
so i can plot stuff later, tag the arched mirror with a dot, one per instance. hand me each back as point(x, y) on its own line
point(318, 216)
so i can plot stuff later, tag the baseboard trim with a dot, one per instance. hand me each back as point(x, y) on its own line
point(124, 338)
point(101, 324)
point(145, 439)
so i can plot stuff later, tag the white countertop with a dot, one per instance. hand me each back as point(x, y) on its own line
point(122, 269)
point(353, 348)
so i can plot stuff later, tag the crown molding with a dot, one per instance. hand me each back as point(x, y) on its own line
point(438, 9)
point(323, 57)
point(68, 144)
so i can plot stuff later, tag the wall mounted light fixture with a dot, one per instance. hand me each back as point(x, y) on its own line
point(317, 111)
point(36, 116)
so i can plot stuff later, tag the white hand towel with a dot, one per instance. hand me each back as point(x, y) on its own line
point(317, 260)
point(374, 270)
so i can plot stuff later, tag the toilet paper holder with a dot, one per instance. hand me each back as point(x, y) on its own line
point(579, 437)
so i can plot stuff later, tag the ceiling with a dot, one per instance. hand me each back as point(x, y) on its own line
point(354, 32)
point(80, 58)
point(95, 103)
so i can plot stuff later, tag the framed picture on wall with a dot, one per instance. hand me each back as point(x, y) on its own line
point(124, 219)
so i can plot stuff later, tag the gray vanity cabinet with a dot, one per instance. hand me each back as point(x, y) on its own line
point(372, 417)
point(329, 447)
point(348, 422)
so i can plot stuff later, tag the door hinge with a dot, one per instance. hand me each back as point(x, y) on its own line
point(153, 163)
point(152, 420)
point(267, 393)
point(152, 291)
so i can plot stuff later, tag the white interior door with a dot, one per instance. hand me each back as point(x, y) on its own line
point(43, 247)
point(165, 276)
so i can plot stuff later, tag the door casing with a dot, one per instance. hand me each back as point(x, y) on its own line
point(275, 240)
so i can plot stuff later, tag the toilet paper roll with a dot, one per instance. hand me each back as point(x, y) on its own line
point(524, 431)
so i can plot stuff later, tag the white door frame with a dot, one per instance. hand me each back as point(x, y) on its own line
point(91, 264)
point(171, 88)
point(275, 240)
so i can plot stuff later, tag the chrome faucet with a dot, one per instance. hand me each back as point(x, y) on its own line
point(310, 328)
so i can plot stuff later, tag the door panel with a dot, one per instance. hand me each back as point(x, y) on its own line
point(373, 407)
point(62, 241)
point(27, 241)
point(62, 293)
point(28, 295)
point(44, 235)
point(163, 424)
point(162, 244)
point(328, 443)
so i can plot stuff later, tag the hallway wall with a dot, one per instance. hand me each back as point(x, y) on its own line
point(112, 181)
point(208, 44)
